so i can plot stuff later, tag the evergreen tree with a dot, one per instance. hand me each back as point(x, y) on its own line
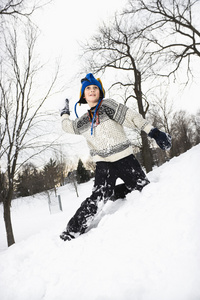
point(29, 181)
point(82, 174)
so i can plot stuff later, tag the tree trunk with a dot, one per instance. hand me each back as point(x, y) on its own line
point(146, 153)
point(8, 225)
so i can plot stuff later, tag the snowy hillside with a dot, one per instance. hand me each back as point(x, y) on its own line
point(144, 248)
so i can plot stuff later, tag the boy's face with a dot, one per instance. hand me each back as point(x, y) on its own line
point(92, 95)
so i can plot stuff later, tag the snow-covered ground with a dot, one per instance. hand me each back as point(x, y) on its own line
point(144, 248)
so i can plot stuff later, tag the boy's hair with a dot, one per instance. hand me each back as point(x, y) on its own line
point(90, 80)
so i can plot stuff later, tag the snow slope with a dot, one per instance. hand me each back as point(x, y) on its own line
point(144, 248)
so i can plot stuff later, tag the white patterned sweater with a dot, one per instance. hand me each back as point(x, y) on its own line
point(108, 141)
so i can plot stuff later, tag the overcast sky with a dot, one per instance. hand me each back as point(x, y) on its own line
point(64, 24)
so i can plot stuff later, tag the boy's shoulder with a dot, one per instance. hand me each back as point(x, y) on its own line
point(115, 110)
point(113, 104)
point(109, 103)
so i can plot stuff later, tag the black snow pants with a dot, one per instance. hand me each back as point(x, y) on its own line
point(128, 169)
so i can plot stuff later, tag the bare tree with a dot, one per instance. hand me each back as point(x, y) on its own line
point(161, 111)
point(173, 30)
point(197, 125)
point(14, 8)
point(118, 46)
point(160, 115)
point(183, 129)
point(72, 177)
point(20, 110)
point(18, 8)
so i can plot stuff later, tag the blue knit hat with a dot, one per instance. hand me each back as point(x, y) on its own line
point(90, 80)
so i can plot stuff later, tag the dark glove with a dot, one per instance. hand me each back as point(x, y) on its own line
point(65, 110)
point(163, 139)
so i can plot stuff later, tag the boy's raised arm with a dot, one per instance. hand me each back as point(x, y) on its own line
point(67, 124)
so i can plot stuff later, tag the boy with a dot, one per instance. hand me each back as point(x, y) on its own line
point(102, 127)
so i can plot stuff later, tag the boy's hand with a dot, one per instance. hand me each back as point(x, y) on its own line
point(163, 139)
point(65, 110)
